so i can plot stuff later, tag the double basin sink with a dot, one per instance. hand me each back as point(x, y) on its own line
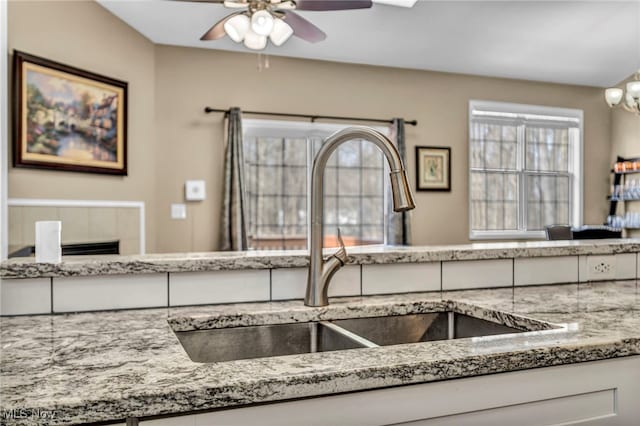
point(227, 344)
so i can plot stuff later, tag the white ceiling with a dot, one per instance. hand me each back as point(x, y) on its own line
point(595, 43)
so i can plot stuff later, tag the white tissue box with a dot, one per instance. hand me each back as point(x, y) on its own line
point(48, 236)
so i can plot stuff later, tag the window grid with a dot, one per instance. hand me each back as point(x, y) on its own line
point(536, 160)
point(278, 206)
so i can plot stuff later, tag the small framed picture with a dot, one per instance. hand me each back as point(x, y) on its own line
point(68, 119)
point(433, 168)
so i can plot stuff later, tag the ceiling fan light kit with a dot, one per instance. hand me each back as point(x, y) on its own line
point(262, 22)
point(255, 41)
point(237, 27)
point(281, 32)
point(629, 99)
point(276, 21)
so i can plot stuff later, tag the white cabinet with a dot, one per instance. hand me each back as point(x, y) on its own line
point(593, 393)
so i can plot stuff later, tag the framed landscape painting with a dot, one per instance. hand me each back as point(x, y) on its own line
point(433, 168)
point(68, 119)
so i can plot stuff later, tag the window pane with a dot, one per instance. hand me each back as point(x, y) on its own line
point(330, 211)
point(349, 154)
point(372, 183)
point(348, 211)
point(295, 180)
point(478, 186)
point(270, 151)
point(349, 181)
point(548, 201)
point(493, 146)
point(295, 211)
point(331, 181)
point(295, 152)
point(372, 235)
point(270, 180)
point(479, 215)
point(547, 149)
point(494, 202)
point(373, 211)
point(371, 155)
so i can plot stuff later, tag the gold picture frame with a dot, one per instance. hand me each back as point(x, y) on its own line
point(68, 119)
point(433, 168)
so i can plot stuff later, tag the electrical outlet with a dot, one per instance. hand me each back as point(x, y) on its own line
point(601, 268)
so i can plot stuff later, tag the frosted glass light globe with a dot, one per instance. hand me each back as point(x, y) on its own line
point(255, 41)
point(262, 23)
point(237, 27)
point(281, 32)
point(613, 96)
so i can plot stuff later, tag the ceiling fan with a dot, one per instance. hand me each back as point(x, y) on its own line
point(275, 20)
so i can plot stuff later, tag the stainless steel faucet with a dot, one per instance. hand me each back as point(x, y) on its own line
point(321, 271)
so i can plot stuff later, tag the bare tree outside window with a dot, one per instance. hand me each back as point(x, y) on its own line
point(278, 161)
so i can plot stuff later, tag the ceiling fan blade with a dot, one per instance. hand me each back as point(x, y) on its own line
point(303, 28)
point(235, 4)
point(399, 3)
point(320, 5)
point(200, 1)
point(217, 31)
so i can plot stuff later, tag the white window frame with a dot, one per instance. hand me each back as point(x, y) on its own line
point(296, 129)
point(530, 112)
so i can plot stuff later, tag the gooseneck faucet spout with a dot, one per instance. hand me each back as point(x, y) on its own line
point(321, 271)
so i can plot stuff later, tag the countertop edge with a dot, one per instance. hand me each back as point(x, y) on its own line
point(315, 385)
point(216, 261)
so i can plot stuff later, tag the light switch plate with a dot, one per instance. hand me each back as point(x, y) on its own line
point(194, 190)
point(178, 211)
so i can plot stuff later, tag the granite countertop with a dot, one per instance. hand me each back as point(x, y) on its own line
point(91, 367)
point(212, 261)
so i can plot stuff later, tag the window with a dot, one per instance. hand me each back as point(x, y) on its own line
point(524, 169)
point(278, 159)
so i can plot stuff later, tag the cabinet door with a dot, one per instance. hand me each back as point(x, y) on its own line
point(592, 393)
point(587, 408)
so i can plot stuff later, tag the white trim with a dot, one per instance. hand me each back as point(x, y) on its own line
point(280, 128)
point(533, 112)
point(43, 202)
point(528, 113)
point(4, 134)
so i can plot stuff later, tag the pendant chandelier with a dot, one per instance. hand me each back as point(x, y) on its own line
point(629, 99)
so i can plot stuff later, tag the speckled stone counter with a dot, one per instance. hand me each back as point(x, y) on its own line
point(104, 366)
point(214, 261)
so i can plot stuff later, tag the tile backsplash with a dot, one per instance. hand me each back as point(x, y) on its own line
point(100, 292)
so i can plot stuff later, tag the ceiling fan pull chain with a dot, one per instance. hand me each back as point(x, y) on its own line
point(263, 62)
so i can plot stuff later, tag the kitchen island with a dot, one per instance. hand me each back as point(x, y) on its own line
point(109, 366)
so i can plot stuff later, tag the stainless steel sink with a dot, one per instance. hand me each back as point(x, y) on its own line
point(394, 330)
point(226, 344)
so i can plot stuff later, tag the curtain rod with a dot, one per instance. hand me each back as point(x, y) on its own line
point(312, 117)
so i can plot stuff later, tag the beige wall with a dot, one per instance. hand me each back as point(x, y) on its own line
point(180, 142)
point(86, 36)
point(192, 142)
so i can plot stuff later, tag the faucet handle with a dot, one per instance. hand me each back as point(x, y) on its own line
point(340, 238)
point(341, 254)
